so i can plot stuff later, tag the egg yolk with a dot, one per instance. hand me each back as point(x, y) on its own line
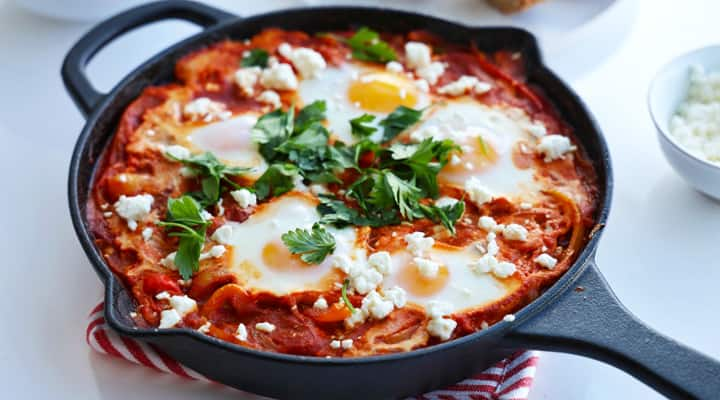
point(478, 155)
point(278, 257)
point(380, 92)
point(415, 283)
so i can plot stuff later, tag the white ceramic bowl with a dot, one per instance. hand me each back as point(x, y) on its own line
point(667, 90)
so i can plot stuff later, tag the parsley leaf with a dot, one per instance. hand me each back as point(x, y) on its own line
point(277, 180)
point(271, 130)
point(313, 246)
point(391, 191)
point(212, 173)
point(446, 215)
point(184, 221)
point(367, 46)
point(255, 58)
point(335, 212)
point(310, 114)
point(399, 120)
point(360, 128)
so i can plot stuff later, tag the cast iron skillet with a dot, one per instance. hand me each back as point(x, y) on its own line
point(578, 314)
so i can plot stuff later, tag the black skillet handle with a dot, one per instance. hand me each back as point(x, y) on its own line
point(589, 320)
point(73, 69)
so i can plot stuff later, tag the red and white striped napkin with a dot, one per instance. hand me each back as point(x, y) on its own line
point(509, 379)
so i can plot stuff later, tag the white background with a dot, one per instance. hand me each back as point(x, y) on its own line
point(659, 251)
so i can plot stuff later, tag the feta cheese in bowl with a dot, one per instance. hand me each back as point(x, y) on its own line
point(684, 102)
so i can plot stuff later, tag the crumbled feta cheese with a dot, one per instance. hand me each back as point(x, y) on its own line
point(487, 223)
point(455, 160)
point(381, 261)
point(459, 87)
point(437, 309)
point(357, 317)
point(696, 122)
point(169, 261)
point(554, 147)
point(205, 328)
point(346, 344)
point(244, 198)
point(222, 234)
point(206, 110)
point(422, 85)
point(280, 77)
point(107, 214)
point(183, 304)
point(220, 208)
point(441, 328)
point(241, 333)
point(417, 55)
point(205, 216)
point(175, 151)
point(169, 318)
point(446, 202)
point(432, 72)
point(536, 129)
point(270, 97)
point(214, 252)
point(546, 260)
point(376, 306)
point(492, 246)
point(246, 78)
point(509, 318)
point(477, 192)
point(417, 243)
point(265, 327)
point(484, 325)
point(335, 344)
point(525, 205)
point(133, 208)
point(164, 295)
point(515, 232)
point(428, 268)
point(320, 303)
point(482, 87)
point(484, 264)
point(364, 279)
point(504, 269)
point(307, 61)
point(394, 66)
point(397, 295)
point(147, 234)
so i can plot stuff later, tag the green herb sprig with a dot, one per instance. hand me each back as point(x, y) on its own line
point(366, 45)
point(184, 221)
point(312, 245)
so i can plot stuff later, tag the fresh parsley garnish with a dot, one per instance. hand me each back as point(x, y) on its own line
point(366, 45)
point(183, 220)
point(360, 128)
point(399, 120)
point(312, 245)
point(277, 179)
point(213, 175)
point(446, 215)
point(255, 58)
point(343, 294)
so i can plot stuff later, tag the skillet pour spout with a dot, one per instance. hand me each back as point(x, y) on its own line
point(578, 314)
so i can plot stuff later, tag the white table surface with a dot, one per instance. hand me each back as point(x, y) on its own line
point(659, 251)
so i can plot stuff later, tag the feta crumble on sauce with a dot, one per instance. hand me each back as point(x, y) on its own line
point(225, 213)
point(696, 123)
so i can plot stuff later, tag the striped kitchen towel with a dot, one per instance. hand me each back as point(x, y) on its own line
point(509, 379)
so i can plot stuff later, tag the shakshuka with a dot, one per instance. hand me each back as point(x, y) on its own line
point(341, 194)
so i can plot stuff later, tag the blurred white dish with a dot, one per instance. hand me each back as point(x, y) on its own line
point(667, 91)
point(77, 10)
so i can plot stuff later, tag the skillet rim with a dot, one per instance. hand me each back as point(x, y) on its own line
point(536, 66)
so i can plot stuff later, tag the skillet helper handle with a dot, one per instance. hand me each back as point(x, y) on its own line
point(590, 321)
point(85, 96)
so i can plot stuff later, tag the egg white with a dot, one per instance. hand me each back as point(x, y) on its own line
point(463, 289)
point(266, 226)
point(230, 141)
point(333, 86)
point(464, 121)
